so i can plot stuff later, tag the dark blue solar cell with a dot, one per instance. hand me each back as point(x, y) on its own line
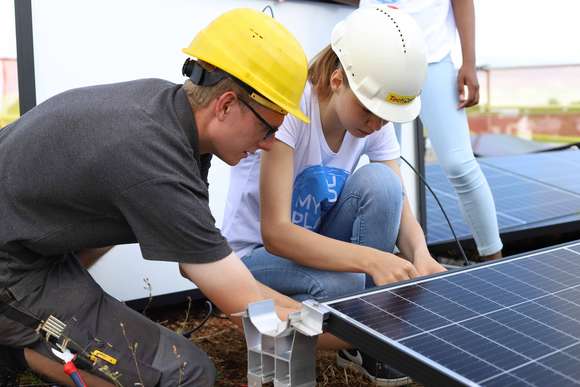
point(508, 337)
point(434, 303)
point(562, 306)
point(451, 357)
point(542, 376)
point(405, 310)
point(517, 269)
point(573, 351)
point(549, 168)
point(562, 363)
point(525, 194)
point(480, 347)
point(505, 380)
point(486, 289)
point(515, 322)
point(560, 259)
point(354, 306)
point(549, 317)
point(375, 318)
point(533, 328)
point(564, 259)
point(460, 295)
point(548, 270)
point(514, 284)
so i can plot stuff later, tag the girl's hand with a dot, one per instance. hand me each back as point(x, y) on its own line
point(467, 76)
point(426, 265)
point(385, 268)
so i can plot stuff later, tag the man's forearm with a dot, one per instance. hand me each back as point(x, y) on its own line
point(279, 298)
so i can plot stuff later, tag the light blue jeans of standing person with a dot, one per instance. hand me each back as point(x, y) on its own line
point(449, 135)
point(367, 212)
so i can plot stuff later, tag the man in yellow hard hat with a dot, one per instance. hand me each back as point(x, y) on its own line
point(128, 162)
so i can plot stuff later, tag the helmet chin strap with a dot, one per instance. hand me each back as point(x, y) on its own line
point(199, 75)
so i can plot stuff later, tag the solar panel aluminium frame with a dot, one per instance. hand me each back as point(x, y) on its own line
point(417, 366)
point(563, 225)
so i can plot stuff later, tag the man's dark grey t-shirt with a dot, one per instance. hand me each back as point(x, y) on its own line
point(104, 165)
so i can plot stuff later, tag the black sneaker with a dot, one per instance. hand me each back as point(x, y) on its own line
point(7, 377)
point(378, 372)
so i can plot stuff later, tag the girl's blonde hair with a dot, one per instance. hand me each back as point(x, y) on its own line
point(320, 70)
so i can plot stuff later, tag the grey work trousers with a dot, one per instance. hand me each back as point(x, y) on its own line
point(147, 353)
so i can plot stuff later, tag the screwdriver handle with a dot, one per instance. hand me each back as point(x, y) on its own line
point(71, 370)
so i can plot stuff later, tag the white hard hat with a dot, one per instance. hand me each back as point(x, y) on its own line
point(382, 51)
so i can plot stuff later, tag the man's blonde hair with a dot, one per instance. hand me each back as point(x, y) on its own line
point(201, 96)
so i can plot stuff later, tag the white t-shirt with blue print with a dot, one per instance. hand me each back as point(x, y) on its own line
point(319, 175)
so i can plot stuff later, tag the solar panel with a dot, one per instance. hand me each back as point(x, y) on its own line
point(437, 228)
point(522, 202)
point(511, 322)
point(551, 168)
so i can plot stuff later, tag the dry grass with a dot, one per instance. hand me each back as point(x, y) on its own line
point(225, 345)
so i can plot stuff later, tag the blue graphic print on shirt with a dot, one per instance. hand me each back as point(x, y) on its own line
point(316, 190)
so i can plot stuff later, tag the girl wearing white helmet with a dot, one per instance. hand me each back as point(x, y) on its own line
point(312, 200)
point(308, 225)
point(443, 111)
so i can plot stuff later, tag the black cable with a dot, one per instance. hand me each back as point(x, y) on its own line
point(461, 251)
point(271, 10)
point(207, 316)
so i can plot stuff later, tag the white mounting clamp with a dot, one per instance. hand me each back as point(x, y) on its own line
point(282, 351)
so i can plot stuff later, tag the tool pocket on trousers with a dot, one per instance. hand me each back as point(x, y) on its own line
point(108, 362)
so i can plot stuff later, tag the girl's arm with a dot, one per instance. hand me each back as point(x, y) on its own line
point(411, 240)
point(283, 238)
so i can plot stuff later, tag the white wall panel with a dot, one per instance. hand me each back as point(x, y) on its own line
point(87, 42)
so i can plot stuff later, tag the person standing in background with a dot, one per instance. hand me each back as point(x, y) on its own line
point(443, 110)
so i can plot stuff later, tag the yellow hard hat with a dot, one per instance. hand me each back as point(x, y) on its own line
point(259, 51)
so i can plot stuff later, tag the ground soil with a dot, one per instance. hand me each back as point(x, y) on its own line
point(225, 345)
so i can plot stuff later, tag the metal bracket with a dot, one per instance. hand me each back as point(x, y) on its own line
point(283, 352)
point(310, 319)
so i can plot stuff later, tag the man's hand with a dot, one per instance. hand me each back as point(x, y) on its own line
point(283, 312)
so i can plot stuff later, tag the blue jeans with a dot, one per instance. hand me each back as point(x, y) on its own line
point(367, 212)
point(449, 135)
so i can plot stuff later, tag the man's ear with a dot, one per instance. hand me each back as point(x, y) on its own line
point(224, 104)
point(336, 79)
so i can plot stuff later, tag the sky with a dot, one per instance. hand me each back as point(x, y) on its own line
point(527, 32)
point(508, 32)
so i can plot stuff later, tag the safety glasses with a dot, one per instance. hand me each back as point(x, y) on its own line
point(270, 130)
